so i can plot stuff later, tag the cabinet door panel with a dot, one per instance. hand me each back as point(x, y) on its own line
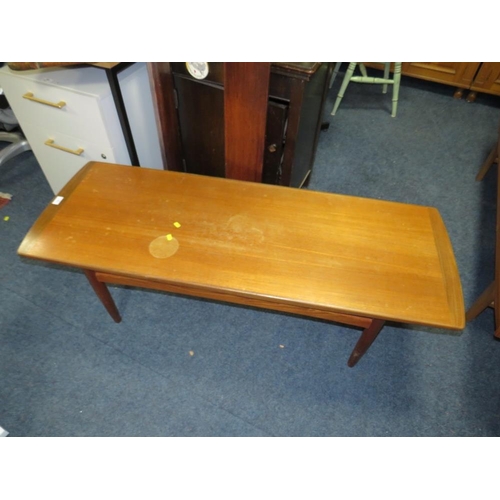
point(488, 78)
point(459, 74)
point(275, 142)
point(201, 122)
point(201, 118)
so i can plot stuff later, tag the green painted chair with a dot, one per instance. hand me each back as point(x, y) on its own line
point(364, 78)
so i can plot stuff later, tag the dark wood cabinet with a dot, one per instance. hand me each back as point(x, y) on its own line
point(296, 96)
point(200, 108)
point(274, 147)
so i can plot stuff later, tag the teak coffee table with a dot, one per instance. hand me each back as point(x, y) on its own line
point(340, 258)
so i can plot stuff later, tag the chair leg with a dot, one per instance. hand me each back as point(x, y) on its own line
point(345, 82)
point(395, 90)
point(492, 158)
point(335, 73)
point(387, 67)
point(486, 299)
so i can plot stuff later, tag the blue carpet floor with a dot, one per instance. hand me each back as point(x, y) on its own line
point(180, 366)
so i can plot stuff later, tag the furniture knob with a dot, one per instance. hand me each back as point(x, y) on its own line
point(77, 152)
point(31, 97)
point(272, 148)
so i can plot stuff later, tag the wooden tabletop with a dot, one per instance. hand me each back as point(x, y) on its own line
point(339, 253)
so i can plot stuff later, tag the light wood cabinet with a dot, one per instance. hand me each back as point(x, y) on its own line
point(487, 80)
point(472, 76)
point(458, 74)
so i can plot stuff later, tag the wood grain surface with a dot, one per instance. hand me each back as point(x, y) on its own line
point(246, 90)
point(326, 252)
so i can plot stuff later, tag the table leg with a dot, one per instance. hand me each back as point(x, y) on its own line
point(365, 341)
point(102, 292)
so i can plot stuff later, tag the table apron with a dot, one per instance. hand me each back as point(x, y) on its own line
point(240, 298)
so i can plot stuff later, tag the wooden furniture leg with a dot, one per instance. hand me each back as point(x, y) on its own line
point(395, 82)
point(486, 299)
point(497, 313)
point(471, 97)
point(345, 83)
point(497, 333)
point(492, 158)
point(496, 283)
point(365, 341)
point(395, 88)
point(387, 68)
point(459, 93)
point(102, 292)
point(334, 74)
point(491, 296)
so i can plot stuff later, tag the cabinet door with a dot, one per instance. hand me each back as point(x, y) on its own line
point(488, 78)
point(275, 142)
point(201, 123)
point(458, 74)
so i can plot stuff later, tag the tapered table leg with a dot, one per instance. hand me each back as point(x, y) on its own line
point(102, 292)
point(365, 341)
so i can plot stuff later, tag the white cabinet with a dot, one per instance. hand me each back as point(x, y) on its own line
point(69, 118)
point(137, 96)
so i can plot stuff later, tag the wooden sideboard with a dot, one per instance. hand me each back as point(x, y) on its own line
point(486, 80)
point(193, 119)
point(472, 76)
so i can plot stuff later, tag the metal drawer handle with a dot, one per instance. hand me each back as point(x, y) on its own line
point(31, 97)
point(77, 152)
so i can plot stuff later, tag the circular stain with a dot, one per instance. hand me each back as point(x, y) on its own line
point(161, 247)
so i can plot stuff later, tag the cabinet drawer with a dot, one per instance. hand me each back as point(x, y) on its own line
point(60, 165)
point(81, 115)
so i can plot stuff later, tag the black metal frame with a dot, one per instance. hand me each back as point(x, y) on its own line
point(112, 74)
